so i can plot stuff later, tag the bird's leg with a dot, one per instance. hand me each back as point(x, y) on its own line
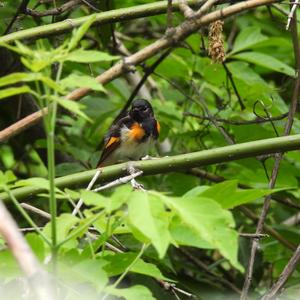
point(132, 170)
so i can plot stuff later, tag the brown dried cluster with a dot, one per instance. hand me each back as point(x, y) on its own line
point(216, 42)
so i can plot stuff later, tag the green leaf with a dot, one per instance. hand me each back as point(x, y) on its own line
point(248, 37)
point(7, 177)
point(92, 198)
point(74, 81)
point(211, 223)
point(37, 245)
point(64, 223)
point(118, 262)
point(132, 293)
point(147, 215)
point(17, 77)
point(90, 56)
point(266, 61)
point(80, 32)
point(72, 106)
point(228, 196)
point(92, 271)
point(15, 91)
point(186, 236)
point(36, 182)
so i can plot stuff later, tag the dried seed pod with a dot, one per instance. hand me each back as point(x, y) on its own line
point(216, 42)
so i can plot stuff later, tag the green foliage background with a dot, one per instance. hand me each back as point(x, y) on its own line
point(185, 229)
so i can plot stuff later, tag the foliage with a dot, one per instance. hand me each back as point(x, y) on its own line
point(126, 242)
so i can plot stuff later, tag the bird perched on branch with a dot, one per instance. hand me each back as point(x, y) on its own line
point(131, 136)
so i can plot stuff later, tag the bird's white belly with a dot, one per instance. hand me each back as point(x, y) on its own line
point(129, 148)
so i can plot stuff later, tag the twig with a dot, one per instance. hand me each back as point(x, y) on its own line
point(235, 122)
point(36, 210)
point(286, 273)
point(278, 158)
point(169, 14)
point(54, 11)
point(180, 32)
point(37, 277)
point(230, 77)
point(89, 187)
point(248, 213)
point(118, 181)
point(253, 235)
point(291, 14)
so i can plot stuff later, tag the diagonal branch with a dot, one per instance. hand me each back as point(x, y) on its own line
point(174, 163)
point(275, 171)
point(286, 273)
point(180, 33)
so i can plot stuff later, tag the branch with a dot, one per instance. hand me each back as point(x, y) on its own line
point(37, 277)
point(107, 17)
point(173, 163)
point(180, 33)
point(286, 273)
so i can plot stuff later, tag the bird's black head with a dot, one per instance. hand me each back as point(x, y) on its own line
point(141, 110)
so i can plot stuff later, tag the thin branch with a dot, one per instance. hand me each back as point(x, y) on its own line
point(236, 122)
point(292, 14)
point(180, 33)
point(118, 181)
point(170, 14)
point(230, 77)
point(174, 163)
point(253, 235)
point(204, 267)
point(278, 158)
point(36, 210)
point(284, 276)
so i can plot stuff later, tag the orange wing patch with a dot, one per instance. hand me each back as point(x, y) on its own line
point(136, 132)
point(158, 126)
point(111, 141)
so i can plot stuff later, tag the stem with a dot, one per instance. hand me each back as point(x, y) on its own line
point(51, 168)
point(139, 255)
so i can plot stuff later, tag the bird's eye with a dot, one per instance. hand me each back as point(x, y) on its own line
point(144, 108)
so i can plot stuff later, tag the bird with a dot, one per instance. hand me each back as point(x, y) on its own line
point(131, 137)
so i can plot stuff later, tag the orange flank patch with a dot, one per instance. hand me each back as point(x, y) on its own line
point(111, 141)
point(136, 132)
point(157, 126)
